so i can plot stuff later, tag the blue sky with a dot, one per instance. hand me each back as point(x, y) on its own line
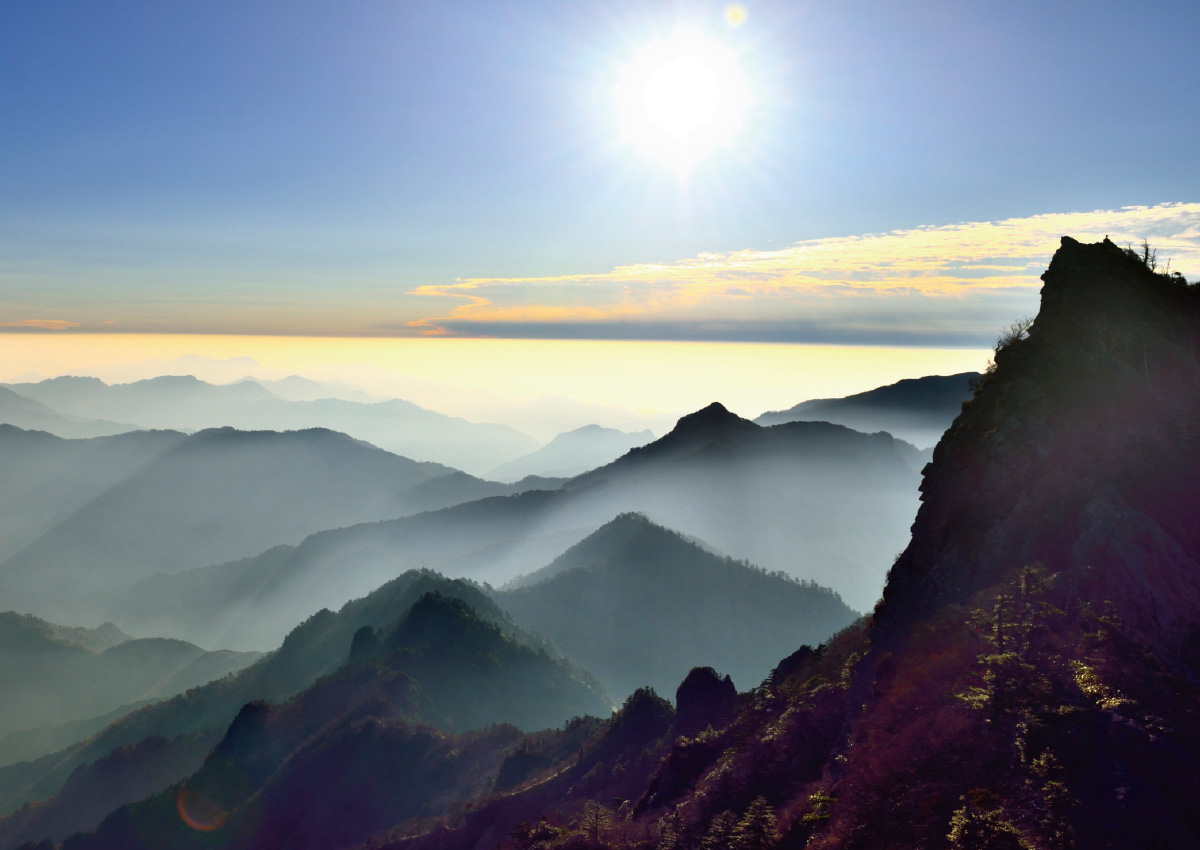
point(405, 168)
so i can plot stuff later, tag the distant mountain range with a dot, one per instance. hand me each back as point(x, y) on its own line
point(917, 410)
point(573, 453)
point(187, 404)
point(112, 510)
point(27, 413)
point(637, 605)
point(815, 500)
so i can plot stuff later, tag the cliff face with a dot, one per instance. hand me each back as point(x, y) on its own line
point(1080, 453)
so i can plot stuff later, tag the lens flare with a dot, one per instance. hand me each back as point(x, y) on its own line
point(198, 811)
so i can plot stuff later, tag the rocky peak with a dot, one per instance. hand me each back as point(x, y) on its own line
point(1079, 452)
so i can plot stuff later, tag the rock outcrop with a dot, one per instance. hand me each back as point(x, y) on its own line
point(1080, 452)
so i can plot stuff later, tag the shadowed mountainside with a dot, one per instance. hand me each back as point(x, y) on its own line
point(313, 649)
point(439, 663)
point(917, 410)
point(637, 604)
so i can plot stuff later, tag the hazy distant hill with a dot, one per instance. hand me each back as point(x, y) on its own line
point(637, 604)
point(214, 496)
point(51, 675)
point(918, 410)
point(573, 453)
point(23, 412)
point(472, 664)
point(818, 501)
point(46, 478)
point(185, 403)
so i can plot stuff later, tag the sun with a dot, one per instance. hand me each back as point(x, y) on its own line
point(680, 99)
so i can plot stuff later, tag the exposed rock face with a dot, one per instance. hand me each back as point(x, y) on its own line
point(1081, 452)
point(704, 699)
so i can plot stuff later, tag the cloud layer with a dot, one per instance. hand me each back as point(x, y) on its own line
point(946, 285)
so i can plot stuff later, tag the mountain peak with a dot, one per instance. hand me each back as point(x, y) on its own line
point(1077, 452)
point(715, 418)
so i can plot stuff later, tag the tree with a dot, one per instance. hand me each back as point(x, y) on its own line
point(756, 829)
point(720, 832)
point(595, 820)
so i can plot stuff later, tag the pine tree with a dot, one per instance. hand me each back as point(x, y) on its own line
point(756, 829)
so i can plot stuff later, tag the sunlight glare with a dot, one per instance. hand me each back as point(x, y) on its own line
point(681, 98)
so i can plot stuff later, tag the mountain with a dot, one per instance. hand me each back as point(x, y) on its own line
point(47, 478)
point(52, 675)
point(637, 604)
point(791, 497)
point(187, 404)
point(22, 412)
point(572, 453)
point(440, 662)
point(315, 648)
point(123, 776)
point(1029, 679)
point(256, 488)
point(917, 410)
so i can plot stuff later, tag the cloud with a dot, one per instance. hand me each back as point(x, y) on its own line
point(942, 285)
point(40, 325)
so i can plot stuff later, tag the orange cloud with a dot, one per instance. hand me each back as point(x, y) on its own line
point(42, 324)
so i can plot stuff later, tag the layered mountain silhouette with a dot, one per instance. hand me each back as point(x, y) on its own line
point(159, 502)
point(439, 662)
point(317, 647)
point(917, 410)
point(27, 413)
point(637, 604)
point(185, 403)
point(1028, 680)
point(51, 675)
point(48, 478)
point(794, 498)
point(572, 453)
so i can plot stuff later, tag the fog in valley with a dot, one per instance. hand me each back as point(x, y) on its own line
point(159, 537)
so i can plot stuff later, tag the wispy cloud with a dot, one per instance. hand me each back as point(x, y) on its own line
point(40, 325)
point(951, 284)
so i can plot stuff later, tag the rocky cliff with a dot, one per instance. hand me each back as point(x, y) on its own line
point(1080, 452)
